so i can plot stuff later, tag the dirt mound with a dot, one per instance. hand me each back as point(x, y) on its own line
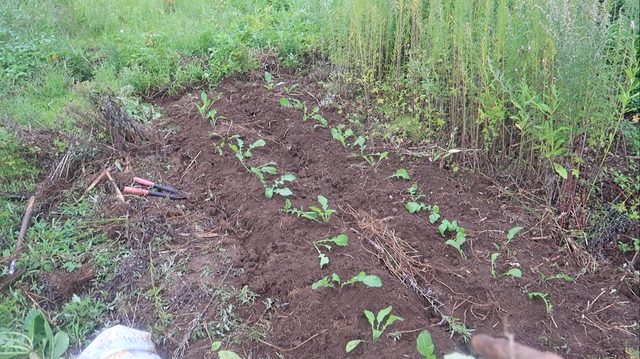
point(229, 230)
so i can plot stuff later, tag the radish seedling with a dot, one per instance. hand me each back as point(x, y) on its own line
point(325, 213)
point(285, 102)
point(368, 280)
point(376, 321)
point(425, 345)
point(414, 206)
point(547, 303)
point(241, 154)
point(341, 136)
point(370, 158)
point(352, 344)
point(299, 212)
point(460, 235)
point(494, 256)
point(270, 84)
point(514, 272)
point(275, 188)
point(340, 240)
point(400, 173)
point(512, 233)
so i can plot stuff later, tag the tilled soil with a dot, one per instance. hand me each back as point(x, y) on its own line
point(230, 230)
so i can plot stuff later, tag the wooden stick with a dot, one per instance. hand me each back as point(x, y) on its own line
point(95, 181)
point(23, 230)
point(120, 196)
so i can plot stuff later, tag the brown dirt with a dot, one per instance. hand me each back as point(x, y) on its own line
point(227, 226)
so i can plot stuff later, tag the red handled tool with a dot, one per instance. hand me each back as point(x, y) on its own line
point(146, 182)
point(144, 192)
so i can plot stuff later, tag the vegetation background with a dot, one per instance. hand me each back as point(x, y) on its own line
point(536, 94)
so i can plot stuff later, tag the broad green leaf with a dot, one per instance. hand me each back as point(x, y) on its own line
point(269, 169)
point(443, 226)
point(372, 281)
point(340, 240)
point(228, 354)
point(434, 217)
point(258, 143)
point(268, 192)
point(413, 207)
point(353, 344)
point(324, 260)
point(348, 132)
point(424, 344)
point(268, 77)
point(285, 102)
point(324, 282)
point(376, 334)
point(215, 346)
point(283, 191)
point(383, 313)
point(560, 170)
point(513, 231)
point(335, 278)
point(288, 177)
point(514, 272)
point(494, 256)
point(204, 97)
point(401, 173)
point(60, 344)
point(391, 319)
point(453, 243)
point(324, 202)
point(370, 317)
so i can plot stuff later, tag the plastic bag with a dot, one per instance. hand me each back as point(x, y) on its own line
point(120, 342)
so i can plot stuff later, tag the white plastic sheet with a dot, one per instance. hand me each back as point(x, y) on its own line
point(120, 342)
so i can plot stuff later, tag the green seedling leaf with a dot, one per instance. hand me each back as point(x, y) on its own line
point(228, 354)
point(400, 173)
point(268, 77)
point(324, 282)
point(324, 260)
point(341, 240)
point(372, 281)
point(215, 346)
point(413, 207)
point(285, 102)
point(370, 316)
point(283, 191)
point(383, 313)
point(512, 233)
point(324, 202)
point(353, 344)
point(515, 272)
point(494, 256)
point(425, 346)
point(335, 278)
point(435, 214)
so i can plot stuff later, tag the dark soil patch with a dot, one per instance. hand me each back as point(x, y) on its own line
point(228, 228)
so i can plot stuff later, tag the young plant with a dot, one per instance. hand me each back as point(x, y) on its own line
point(425, 345)
point(547, 303)
point(206, 103)
point(368, 280)
point(241, 154)
point(276, 187)
point(494, 256)
point(340, 135)
point(373, 159)
point(340, 240)
point(512, 233)
point(514, 272)
point(270, 85)
point(460, 235)
point(414, 206)
point(352, 344)
point(300, 212)
point(376, 321)
point(557, 276)
point(401, 173)
point(324, 212)
point(286, 102)
point(315, 114)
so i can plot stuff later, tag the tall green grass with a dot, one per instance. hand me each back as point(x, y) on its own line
point(531, 81)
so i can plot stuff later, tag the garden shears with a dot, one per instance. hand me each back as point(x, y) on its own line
point(144, 192)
